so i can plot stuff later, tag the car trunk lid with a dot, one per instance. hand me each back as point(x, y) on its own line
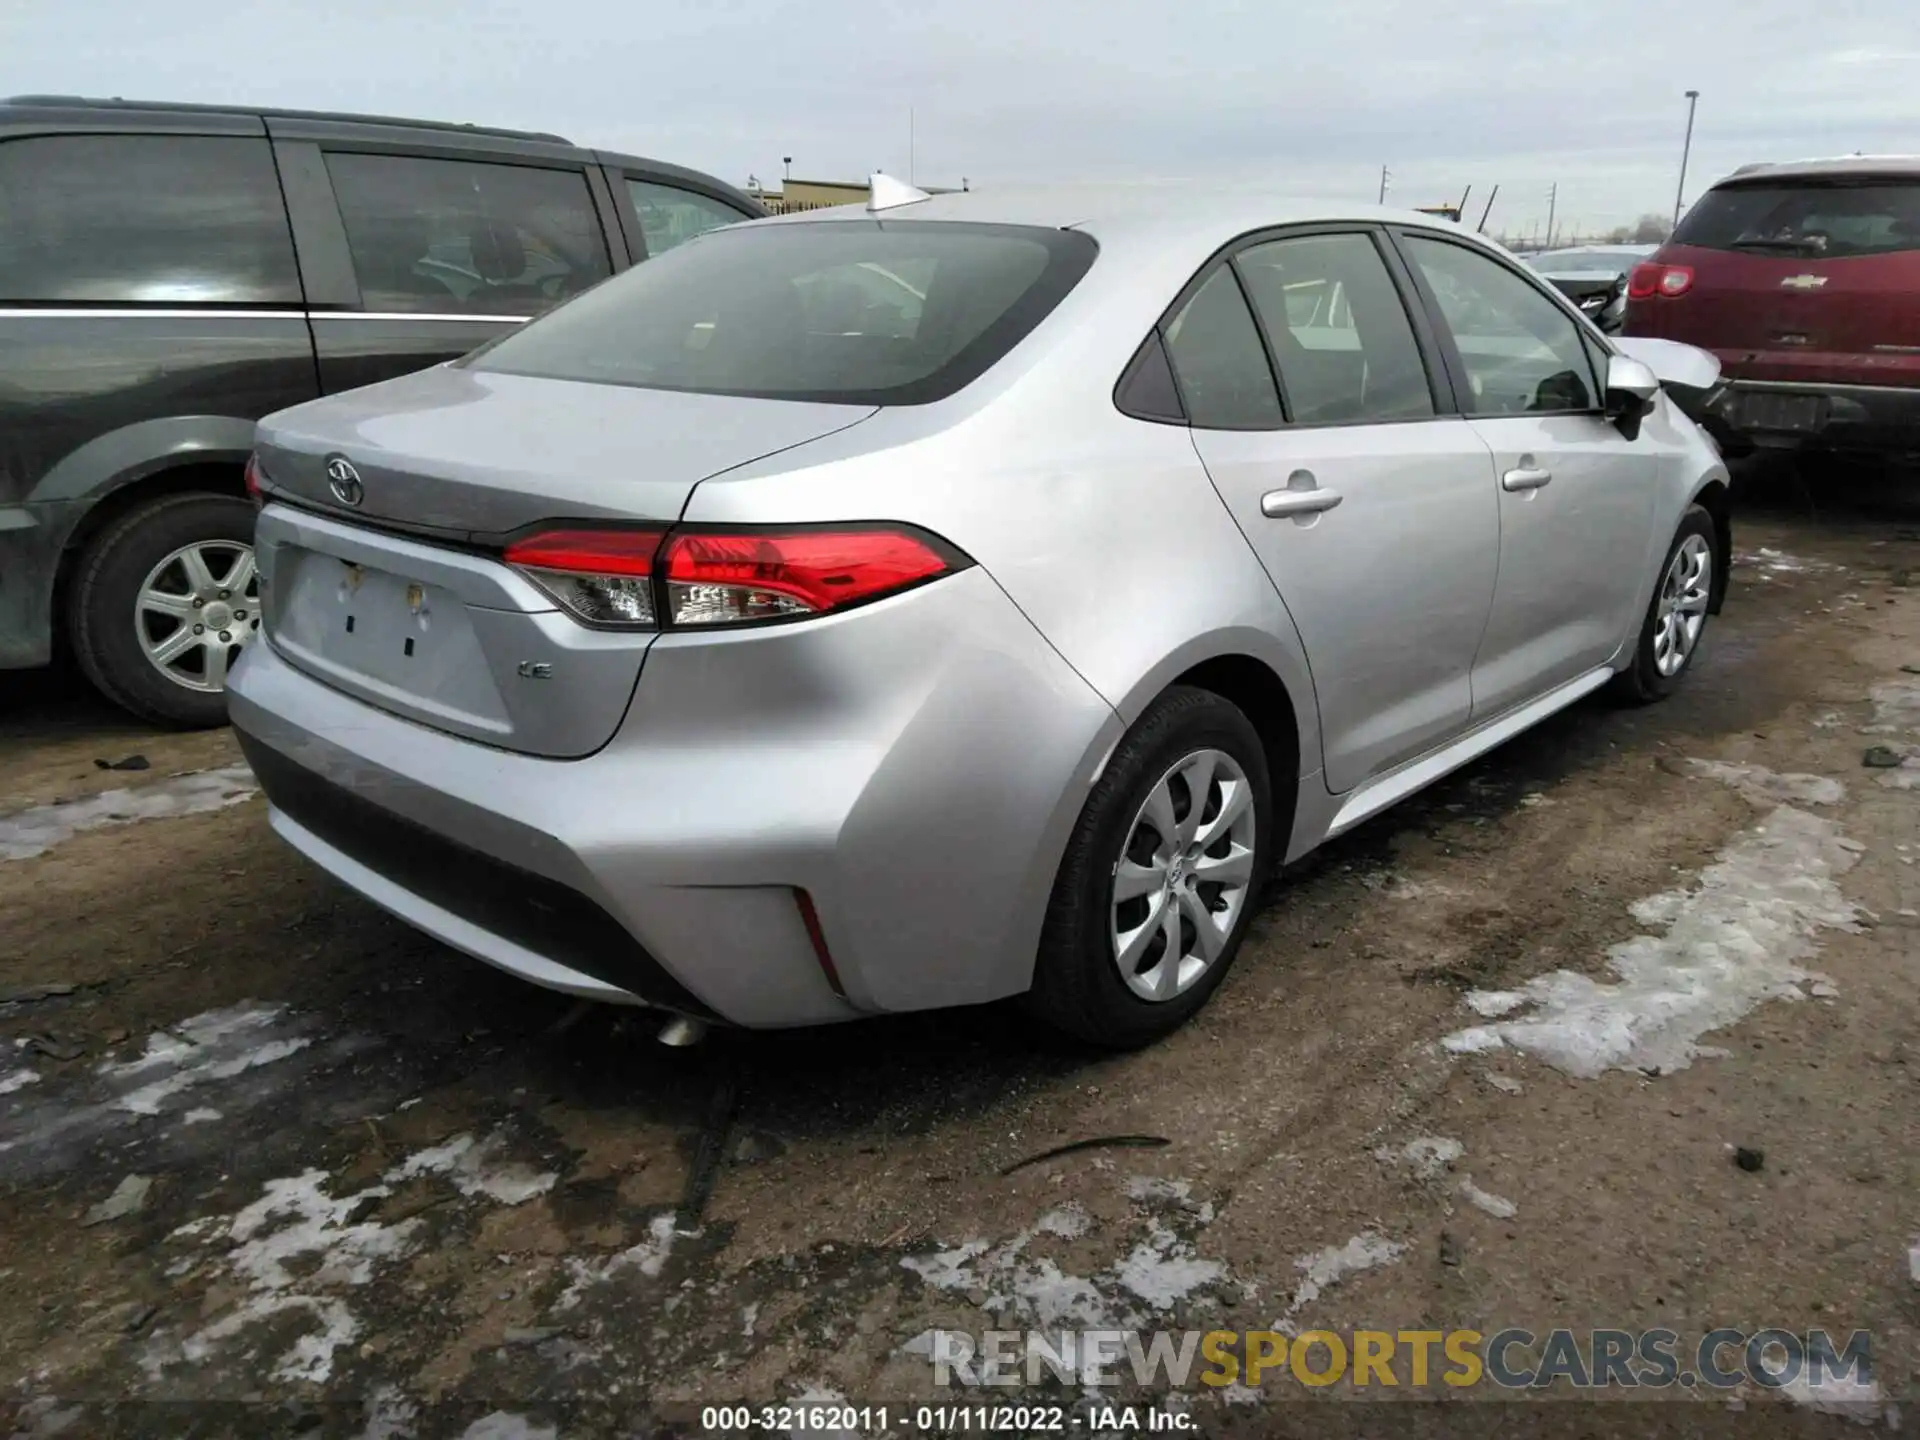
point(401, 598)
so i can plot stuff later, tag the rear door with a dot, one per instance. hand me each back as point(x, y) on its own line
point(418, 253)
point(1576, 498)
point(1811, 280)
point(147, 286)
point(1371, 508)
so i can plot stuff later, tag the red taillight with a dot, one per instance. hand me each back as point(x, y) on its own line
point(1644, 282)
point(605, 577)
point(609, 577)
point(253, 481)
point(1651, 278)
point(727, 578)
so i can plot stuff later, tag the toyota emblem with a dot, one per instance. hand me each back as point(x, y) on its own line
point(344, 481)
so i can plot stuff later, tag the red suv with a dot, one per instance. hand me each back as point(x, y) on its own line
point(1805, 280)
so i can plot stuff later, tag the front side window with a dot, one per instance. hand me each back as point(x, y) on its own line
point(465, 237)
point(1339, 331)
point(1831, 220)
point(670, 216)
point(1219, 361)
point(843, 311)
point(1523, 353)
point(144, 219)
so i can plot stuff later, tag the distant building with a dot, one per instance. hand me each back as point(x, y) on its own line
point(819, 194)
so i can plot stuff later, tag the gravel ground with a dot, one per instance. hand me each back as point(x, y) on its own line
point(1617, 1028)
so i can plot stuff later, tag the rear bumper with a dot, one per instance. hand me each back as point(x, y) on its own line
point(914, 766)
point(1787, 414)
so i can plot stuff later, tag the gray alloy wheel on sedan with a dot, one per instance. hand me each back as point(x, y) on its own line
point(1161, 876)
point(165, 600)
point(1677, 615)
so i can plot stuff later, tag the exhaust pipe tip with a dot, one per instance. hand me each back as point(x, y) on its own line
point(680, 1032)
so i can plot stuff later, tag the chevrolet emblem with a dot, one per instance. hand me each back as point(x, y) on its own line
point(1803, 282)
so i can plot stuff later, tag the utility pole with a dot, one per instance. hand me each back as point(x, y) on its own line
point(1686, 152)
point(1553, 200)
point(1384, 173)
point(910, 145)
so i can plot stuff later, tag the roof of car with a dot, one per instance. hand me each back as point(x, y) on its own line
point(1112, 210)
point(89, 102)
point(1871, 167)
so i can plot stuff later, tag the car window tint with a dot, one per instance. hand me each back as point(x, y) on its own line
point(854, 311)
point(1339, 331)
point(154, 219)
point(670, 216)
point(466, 237)
point(1218, 359)
point(1822, 219)
point(1523, 353)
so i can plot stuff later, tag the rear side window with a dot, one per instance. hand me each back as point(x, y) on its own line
point(1219, 361)
point(1339, 331)
point(1830, 220)
point(670, 216)
point(854, 312)
point(144, 219)
point(466, 237)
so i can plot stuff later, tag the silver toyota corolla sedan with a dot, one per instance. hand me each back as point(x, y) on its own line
point(967, 597)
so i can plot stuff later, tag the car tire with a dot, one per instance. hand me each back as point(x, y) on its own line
point(1677, 615)
point(122, 606)
point(1189, 738)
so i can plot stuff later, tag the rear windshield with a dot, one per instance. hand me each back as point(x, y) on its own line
point(1832, 220)
point(867, 312)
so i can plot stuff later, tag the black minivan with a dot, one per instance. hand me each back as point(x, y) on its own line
point(171, 273)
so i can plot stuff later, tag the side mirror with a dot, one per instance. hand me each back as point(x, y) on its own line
point(1631, 388)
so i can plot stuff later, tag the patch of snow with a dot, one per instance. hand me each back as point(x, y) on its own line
point(1069, 1221)
point(293, 1248)
point(216, 1045)
point(1494, 1003)
point(1730, 942)
point(1324, 1269)
point(1859, 1401)
point(1163, 1269)
point(648, 1257)
point(476, 1169)
point(1913, 1261)
point(1152, 1189)
point(18, 1080)
point(1757, 782)
point(1770, 562)
point(1429, 1157)
point(27, 833)
point(748, 1316)
point(200, 1116)
point(1159, 1270)
point(1494, 1205)
point(1505, 1084)
point(390, 1415)
point(505, 1425)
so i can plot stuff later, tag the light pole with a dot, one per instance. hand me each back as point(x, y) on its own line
point(1686, 150)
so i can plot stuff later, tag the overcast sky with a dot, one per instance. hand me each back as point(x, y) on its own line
point(1305, 98)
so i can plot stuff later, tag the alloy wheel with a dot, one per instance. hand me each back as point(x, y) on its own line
point(1685, 592)
point(1183, 875)
point(197, 610)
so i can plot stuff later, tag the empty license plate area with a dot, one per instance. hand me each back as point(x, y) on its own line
point(1797, 414)
point(398, 640)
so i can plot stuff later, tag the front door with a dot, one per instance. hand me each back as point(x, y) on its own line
point(1373, 514)
point(1577, 498)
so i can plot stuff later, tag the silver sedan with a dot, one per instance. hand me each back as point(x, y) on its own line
point(957, 598)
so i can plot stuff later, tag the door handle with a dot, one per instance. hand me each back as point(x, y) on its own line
point(1312, 500)
point(1525, 478)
